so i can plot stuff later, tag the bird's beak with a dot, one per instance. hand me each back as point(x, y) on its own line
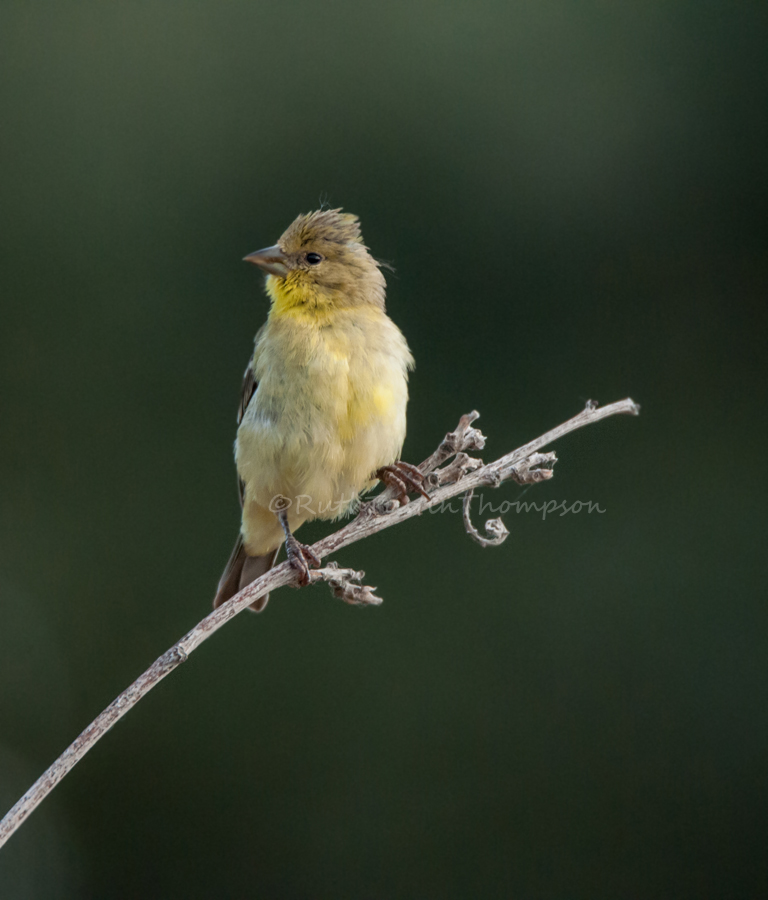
point(271, 259)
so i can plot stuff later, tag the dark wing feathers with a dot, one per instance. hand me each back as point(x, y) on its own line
point(246, 395)
point(240, 566)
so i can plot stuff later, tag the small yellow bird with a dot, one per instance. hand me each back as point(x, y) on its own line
point(322, 413)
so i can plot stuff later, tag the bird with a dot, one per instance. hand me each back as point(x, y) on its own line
point(322, 413)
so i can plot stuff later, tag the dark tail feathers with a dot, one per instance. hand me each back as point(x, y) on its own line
point(240, 571)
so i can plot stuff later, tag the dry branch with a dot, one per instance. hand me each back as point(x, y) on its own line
point(462, 475)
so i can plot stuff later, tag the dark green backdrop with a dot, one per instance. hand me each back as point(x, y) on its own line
point(574, 198)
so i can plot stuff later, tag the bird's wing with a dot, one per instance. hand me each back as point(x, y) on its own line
point(246, 395)
point(242, 569)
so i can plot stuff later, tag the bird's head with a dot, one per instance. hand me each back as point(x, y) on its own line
point(321, 262)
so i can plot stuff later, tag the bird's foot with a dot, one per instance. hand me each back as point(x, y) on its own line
point(402, 477)
point(302, 558)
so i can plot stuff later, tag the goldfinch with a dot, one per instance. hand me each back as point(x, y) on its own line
point(322, 411)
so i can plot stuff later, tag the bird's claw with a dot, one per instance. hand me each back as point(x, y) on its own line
point(402, 477)
point(302, 558)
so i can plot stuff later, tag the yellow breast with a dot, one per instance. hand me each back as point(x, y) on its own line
point(329, 410)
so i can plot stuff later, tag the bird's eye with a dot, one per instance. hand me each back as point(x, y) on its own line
point(314, 258)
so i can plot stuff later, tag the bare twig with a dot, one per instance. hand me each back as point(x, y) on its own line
point(494, 528)
point(461, 476)
point(342, 585)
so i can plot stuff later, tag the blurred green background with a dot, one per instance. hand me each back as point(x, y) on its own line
point(574, 196)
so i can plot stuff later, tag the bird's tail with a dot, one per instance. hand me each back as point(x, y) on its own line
point(240, 571)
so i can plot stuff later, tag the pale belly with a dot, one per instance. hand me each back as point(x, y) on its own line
point(319, 426)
